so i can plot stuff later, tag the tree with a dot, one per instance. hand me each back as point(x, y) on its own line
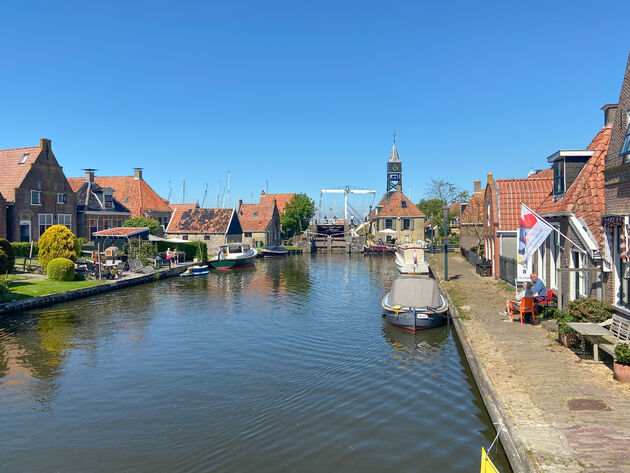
point(447, 192)
point(7, 257)
point(431, 207)
point(153, 225)
point(297, 214)
point(58, 242)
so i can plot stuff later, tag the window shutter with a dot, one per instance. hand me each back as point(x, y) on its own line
point(411, 223)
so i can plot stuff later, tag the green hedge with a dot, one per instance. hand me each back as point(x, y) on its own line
point(60, 269)
point(7, 257)
point(23, 248)
point(193, 249)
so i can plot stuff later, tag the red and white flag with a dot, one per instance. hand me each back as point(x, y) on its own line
point(532, 233)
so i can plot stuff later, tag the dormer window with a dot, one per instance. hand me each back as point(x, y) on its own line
point(403, 203)
point(558, 177)
point(109, 200)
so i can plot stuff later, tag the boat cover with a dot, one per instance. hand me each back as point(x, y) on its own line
point(415, 292)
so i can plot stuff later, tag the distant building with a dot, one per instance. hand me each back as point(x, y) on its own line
point(136, 195)
point(97, 209)
point(215, 227)
point(260, 223)
point(37, 192)
point(3, 217)
point(471, 221)
point(395, 216)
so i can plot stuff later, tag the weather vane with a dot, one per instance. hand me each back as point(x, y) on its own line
point(394, 135)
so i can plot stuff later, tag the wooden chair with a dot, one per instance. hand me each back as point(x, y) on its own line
point(525, 306)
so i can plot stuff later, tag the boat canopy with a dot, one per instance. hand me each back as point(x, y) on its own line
point(415, 292)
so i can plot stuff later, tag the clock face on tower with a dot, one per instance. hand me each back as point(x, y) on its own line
point(395, 167)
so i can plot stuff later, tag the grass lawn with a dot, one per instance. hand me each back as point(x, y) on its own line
point(23, 287)
point(19, 261)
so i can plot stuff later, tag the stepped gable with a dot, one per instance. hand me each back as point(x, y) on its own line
point(200, 221)
point(511, 192)
point(13, 173)
point(281, 200)
point(585, 197)
point(394, 207)
point(255, 217)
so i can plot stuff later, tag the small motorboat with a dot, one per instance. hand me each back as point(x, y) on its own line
point(273, 251)
point(234, 255)
point(195, 271)
point(415, 303)
point(412, 259)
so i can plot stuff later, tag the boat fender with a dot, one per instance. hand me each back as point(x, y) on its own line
point(397, 309)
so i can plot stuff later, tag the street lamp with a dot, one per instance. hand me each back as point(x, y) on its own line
point(445, 210)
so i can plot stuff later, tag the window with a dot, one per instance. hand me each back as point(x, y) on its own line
point(388, 223)
point(578, 278)
point(109, 201)
point(625, 148)
point(184, 237)
point(109, 223)
point(45, 222)
point(248, 234)
point(36, 197)
point(403, 203)
point(93, 227)
point(622, 289)
point(24, 158)
point(206, 237)
point(558, 177)
point(62, 198)
point(127, 198)
point(255, 214)
point(406, 224)
point(65, 220)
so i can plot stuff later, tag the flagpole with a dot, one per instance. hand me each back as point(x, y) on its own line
point(555, 229)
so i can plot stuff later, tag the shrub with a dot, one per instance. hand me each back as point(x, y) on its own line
point(57, 242)
point(60, 269)
point(140, 249)
point(7, 262)
point(548, 313)
point(5, 292)
point(564, 318)
point(193, 249)
point(589, 309)
point(622, 353)
point(22, 248)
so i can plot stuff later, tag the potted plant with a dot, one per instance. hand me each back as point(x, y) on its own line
point(566, 335)
point(621, 366)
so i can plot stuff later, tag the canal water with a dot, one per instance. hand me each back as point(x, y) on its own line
point(285, 367)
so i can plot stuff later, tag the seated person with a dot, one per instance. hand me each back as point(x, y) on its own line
point(527, 292)
point(539, 288)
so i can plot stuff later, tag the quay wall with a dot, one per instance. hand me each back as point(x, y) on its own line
point(59, 297)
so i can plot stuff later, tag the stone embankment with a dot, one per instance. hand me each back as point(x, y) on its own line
point(541, 392)
point(129, 280)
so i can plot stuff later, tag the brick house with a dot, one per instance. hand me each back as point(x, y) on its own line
point(575, 207)
point(260, 223)
point(471, 221)
point(37, 193)
point(97, 209)
point(502, 211)
point(616, 221)
point(136, 195)
point(215, 227)
point(3, 217)
point(399, 214)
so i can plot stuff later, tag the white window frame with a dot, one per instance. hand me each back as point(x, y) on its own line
point(48, 219)
point(62, 198)
point(67, 220)
point(554, 258)
point(39, 197)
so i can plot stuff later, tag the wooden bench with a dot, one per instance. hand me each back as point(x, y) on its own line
point(604, 336)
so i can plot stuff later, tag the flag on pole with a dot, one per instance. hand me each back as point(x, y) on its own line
point(532, 233)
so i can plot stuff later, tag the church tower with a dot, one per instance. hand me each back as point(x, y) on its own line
point(394, 171)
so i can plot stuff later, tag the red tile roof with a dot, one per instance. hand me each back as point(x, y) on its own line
point(182, 206)
point(256, 217)
point(135, 194)
point(473, 213)
point(121, 231)
point(543, 174)
point(13, 173)
point(200, 221)
point(281, 200)
point(585, 197)
point(394, 207)
point(511, 192)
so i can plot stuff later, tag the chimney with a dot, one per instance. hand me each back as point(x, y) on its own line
point(477, 188)
point(610, 109)
point(44, 144)
point(89, 175)
point(240, 203)
point(489, 178)
point(137, 174)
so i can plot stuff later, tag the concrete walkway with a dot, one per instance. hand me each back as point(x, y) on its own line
point(528, 378)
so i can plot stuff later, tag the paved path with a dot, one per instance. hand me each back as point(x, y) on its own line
point(533, 377)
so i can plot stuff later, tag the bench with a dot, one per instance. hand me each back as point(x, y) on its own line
point(604, 336)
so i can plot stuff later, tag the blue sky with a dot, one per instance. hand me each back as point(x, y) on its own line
point(306, 95)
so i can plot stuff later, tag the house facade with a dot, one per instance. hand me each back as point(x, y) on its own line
point(502, 210)
point(215, 227)
point(397, 218)
point(36, 190)
point(3, 217)
point(97, 209)
point(471, 221)
point(574, 208)
point(260, 223)
point(616, 221)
